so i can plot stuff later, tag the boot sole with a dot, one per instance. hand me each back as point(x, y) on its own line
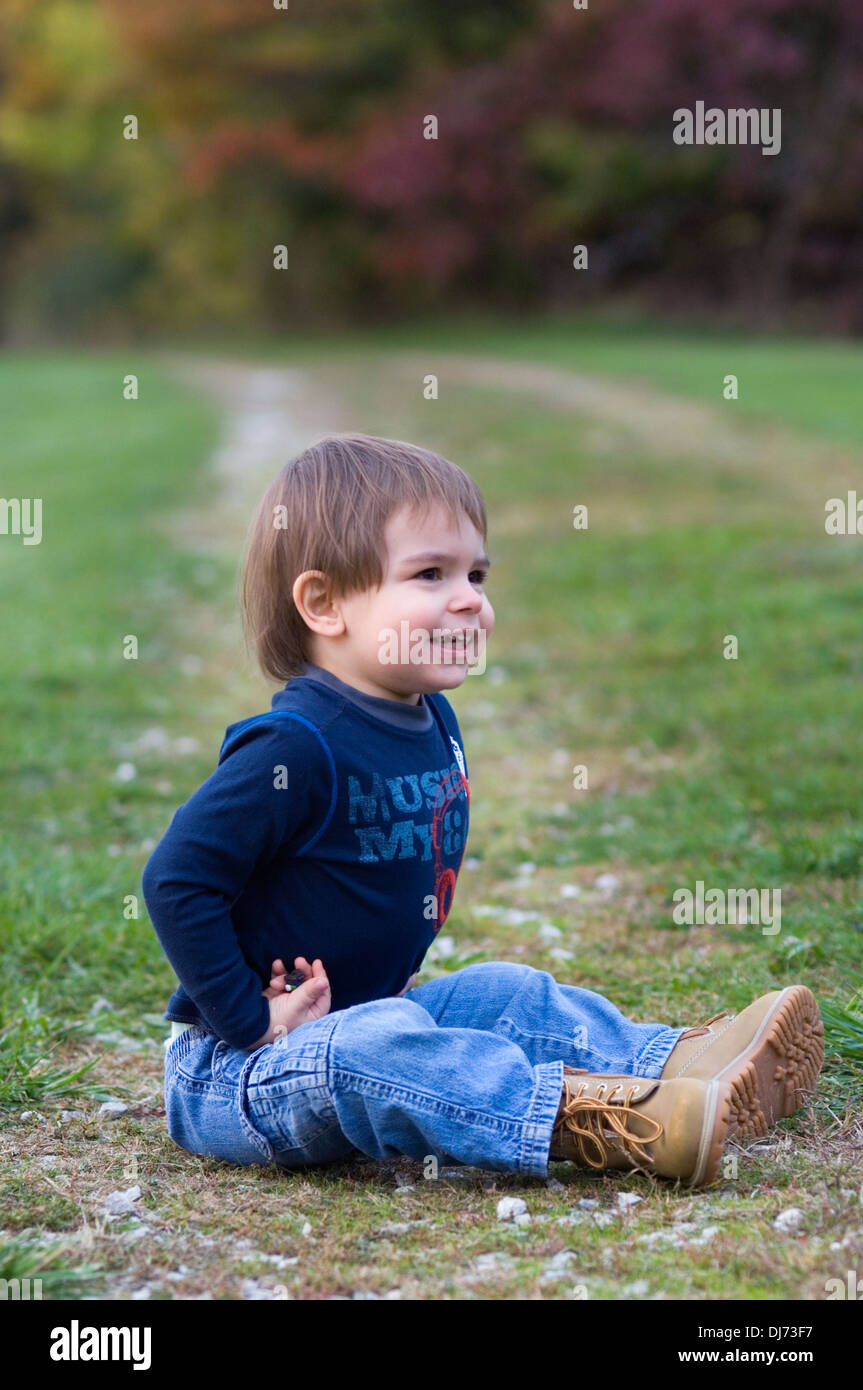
point(766, 1082)
point(777, 1070)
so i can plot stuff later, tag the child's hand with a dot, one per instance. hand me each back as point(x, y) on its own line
point(288, 1010)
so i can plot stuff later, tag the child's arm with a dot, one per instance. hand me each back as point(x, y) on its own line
point(236, 820)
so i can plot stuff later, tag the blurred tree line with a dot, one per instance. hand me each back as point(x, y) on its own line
point(304, 127)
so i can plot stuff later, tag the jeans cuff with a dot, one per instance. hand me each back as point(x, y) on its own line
point(538, 1126)
point(651, 1061)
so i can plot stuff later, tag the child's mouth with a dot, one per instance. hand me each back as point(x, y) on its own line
point(454, 647)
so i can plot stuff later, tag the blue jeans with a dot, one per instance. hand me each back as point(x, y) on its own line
point(467, 1067)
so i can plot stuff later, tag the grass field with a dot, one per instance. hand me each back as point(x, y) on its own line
point(607, 652)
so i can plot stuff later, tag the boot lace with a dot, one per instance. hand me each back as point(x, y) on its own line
point(599, 1113)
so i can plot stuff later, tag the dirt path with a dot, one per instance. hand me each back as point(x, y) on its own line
point(272, 413)
point(650, 421)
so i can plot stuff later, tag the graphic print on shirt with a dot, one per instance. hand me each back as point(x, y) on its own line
point(439, 837)
point(452, 788)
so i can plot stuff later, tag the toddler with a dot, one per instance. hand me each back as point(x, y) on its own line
point(328, 841)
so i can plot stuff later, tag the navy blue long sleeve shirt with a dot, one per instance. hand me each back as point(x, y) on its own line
point(334, 826)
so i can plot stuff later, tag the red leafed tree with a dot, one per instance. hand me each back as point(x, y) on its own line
point(568, 138)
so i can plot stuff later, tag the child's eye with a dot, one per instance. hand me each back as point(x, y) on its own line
point(480, 575)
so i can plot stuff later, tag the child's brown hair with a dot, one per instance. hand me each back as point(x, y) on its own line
point(327, 510)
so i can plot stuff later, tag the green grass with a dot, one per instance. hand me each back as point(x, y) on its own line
point(106, 469)
point(42, 1272)
point(607, 652)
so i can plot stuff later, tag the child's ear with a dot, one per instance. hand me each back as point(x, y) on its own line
point(316, 603)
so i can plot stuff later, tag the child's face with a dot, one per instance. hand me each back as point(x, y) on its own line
point(433, 581)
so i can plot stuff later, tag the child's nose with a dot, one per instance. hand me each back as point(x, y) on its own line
point(467, 597)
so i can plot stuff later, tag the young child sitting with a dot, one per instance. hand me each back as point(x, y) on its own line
point(329, 838)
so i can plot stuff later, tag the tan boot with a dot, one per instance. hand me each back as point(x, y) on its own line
point(674, 1129)
point(771, 1053)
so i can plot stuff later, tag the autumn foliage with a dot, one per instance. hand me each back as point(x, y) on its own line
point(305, 127)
